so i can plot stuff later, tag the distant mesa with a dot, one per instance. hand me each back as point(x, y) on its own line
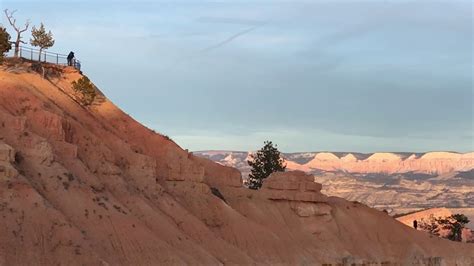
point(349, 158)
point(468, 156)
point(326, 156)
point(384, 157)
point(441, 155)
point(382, 162)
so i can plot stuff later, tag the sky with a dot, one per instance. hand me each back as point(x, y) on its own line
point(362, 76)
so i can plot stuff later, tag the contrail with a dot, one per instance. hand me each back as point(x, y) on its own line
point(228, 40)
point(220, 44)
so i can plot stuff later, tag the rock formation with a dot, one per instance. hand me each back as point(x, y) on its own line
point(91, 186)
point(397, 182)
point(438, 163)
point(390, 163)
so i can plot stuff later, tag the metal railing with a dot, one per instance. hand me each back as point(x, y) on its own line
point(46, 56)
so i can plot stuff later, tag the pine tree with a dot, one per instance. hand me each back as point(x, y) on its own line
point(87, 90)
point(5, 44)
point(265, 162)
point(41, 39)
point(455, 223)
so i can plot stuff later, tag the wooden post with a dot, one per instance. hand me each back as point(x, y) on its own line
point(57, 59)
point(31, 50)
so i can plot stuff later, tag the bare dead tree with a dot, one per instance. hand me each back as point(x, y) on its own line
point(19, 31)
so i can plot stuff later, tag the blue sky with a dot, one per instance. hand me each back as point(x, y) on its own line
point(310, 75)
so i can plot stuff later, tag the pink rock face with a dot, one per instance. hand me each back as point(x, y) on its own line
point(289, 181)
point(300, 190)
point(7, 154)
point(7, 157)
point(91, 186)
point(308, 209)
point(390, 163)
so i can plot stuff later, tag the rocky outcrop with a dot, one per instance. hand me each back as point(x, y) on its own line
point(293, 186)
point(7, 154)
point(217, 175)
point(7, 158)
point(300, 190)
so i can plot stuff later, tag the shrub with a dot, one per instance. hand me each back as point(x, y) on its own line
point(87, 90)
point(455, 224)
point(5, 44)
point(430, 225)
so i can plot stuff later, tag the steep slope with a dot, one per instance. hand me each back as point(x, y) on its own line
point(92, 186)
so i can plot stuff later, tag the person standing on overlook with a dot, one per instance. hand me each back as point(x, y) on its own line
point(70, 57)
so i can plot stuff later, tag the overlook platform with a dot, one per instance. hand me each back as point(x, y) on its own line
point(46, 56)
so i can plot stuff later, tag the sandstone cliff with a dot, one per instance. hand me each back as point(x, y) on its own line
point(91, 186)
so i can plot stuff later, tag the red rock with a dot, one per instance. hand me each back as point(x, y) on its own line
point(129, 196)
point(313, 186)
point(293, 186)
point(283, 185)
point(7, 154)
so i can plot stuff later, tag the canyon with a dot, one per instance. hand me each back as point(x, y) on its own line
point(395, 182)
point(430, 163)
point(89, 185)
